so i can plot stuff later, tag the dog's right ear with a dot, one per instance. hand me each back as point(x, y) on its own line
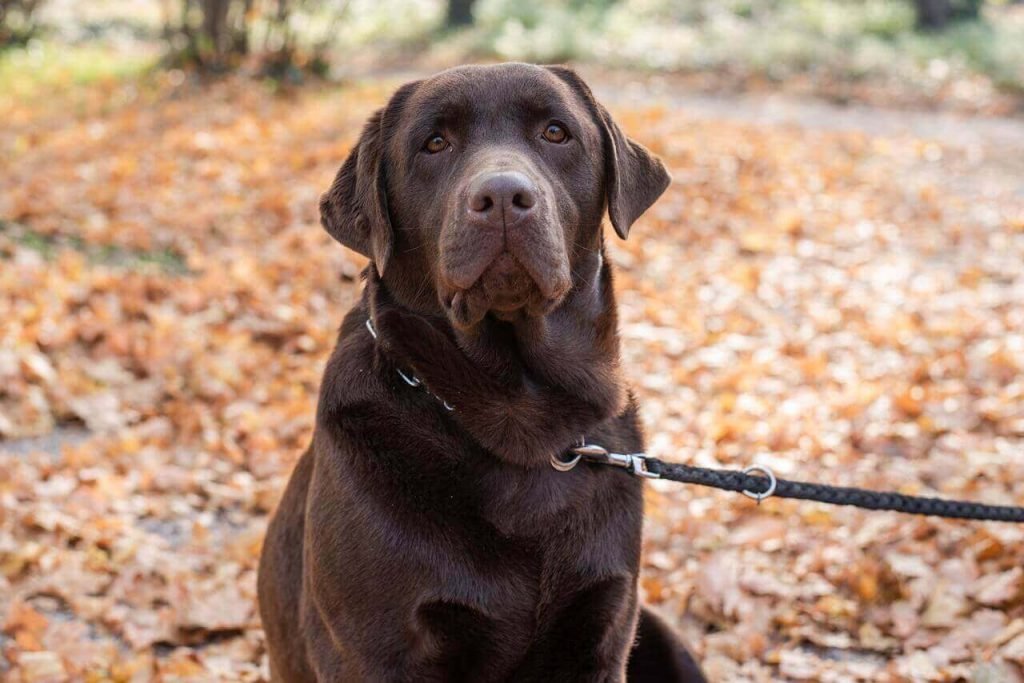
point(354, 210)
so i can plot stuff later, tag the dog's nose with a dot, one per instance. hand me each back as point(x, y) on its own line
point(502, 198)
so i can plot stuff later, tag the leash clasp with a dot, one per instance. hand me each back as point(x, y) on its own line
point(634, 463)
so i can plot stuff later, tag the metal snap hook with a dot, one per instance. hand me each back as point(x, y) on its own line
point(772, 483)
point(564, 465)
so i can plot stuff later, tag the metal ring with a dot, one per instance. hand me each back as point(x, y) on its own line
point(411, 380)
point(564, 465)
point(772, 483)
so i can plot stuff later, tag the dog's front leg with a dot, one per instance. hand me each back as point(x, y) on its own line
point(587, 635)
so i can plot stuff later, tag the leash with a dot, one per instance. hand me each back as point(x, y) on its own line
point(763, 486)
point(766, 485)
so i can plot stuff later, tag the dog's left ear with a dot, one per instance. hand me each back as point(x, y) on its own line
point(634, 178)
point(354, 210)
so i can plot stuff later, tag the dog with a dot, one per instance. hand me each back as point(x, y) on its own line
point(424, 535)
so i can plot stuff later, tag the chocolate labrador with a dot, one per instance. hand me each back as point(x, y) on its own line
point(425, 535)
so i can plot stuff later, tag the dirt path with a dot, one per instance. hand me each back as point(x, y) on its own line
point(993, 147)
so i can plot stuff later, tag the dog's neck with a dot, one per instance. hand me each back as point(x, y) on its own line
point(501, 376)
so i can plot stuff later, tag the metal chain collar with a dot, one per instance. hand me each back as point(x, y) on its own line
point(410, 379)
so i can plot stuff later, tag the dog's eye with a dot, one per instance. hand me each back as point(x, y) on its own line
point(555, 133)
point(435, 144)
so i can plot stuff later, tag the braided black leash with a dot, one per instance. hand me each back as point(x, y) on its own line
point(766, 485)
point(732, 480)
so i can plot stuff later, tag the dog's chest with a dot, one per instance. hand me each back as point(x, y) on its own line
point(532, 503)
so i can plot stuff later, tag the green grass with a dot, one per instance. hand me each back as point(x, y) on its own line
point(48, 246)
point(980, 46)
point(837, 40)
point(44, 66)
point(840, 39)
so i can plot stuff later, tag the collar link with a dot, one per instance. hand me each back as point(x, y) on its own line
point(409, 378)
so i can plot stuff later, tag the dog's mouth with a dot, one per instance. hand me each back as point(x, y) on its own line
point(505, 289)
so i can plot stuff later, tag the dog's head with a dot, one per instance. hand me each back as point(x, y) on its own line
point(481, 190)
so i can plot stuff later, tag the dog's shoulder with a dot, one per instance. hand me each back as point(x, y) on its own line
point(350, 377)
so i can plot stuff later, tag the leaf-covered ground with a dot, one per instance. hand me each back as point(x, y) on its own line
point(840, 306)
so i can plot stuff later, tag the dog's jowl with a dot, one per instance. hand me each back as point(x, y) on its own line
point(424, 535)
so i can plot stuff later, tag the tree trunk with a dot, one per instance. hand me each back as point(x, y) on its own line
point(933, 15)
point(215, 26)
point(460, 13)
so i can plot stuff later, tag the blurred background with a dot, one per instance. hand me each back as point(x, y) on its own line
point(964, 51)
point(833, 285)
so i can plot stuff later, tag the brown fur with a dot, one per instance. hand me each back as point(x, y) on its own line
point(415, 543)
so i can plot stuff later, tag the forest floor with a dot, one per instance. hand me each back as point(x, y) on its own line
point(836, 292)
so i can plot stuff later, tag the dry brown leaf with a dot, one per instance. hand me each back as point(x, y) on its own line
point(1000, 589)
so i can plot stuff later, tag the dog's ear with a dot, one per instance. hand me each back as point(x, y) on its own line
point(634, 178)
point(354, 210)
